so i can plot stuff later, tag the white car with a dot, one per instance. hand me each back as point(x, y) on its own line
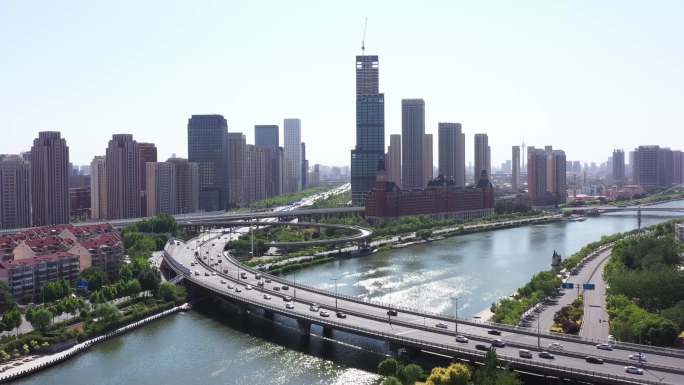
point(555, 346)
point(638, 357)
point(223, 282)
point(462, 339)
point(604, 346)
point(266, 296)
point(289, 305)
point(324, 313)
point(313, 307)
point(633, 370)
point(248, 287)
point(441, 325)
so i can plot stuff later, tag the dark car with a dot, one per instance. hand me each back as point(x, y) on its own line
point(593, 360)
point(494, 332)
point(339, 314)
point(547, 355)
point(481, 347)
point(392, 312)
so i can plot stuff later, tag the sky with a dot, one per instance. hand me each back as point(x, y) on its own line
point(583, 76)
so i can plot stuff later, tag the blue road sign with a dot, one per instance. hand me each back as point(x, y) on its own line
point(82, 284)
point(589, 286)
point(567, 285)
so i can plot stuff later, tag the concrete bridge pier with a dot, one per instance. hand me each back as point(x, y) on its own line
point(304, 327)
point(327, 331)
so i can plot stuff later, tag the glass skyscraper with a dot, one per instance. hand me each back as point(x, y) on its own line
point(370, 128)
point(206, 147)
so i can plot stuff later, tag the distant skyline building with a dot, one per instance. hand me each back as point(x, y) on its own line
point(451, 152)
point(618, 166)
point(370, 128)
point(293, 154)
point(98, 188)
point(393, 161)
point(15, 192)
point(172, 186)
point(147, 152)
point(122, 168)
point(515, 168)
point(266, 136)
point(646, 172)
point(428, 163)
point(49, 180)
point(206, 148)
point(483, 158)
point(412, 133)
point(536, 176)
point(546, 176)
point(236, 148)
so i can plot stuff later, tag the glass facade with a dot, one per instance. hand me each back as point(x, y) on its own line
point(206, 147)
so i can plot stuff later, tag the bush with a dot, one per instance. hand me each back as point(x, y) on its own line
point(389, 367)
point(631, 323)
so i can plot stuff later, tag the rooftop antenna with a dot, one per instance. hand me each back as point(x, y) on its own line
point(363, 39)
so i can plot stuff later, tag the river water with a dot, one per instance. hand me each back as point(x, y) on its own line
point(209, 347)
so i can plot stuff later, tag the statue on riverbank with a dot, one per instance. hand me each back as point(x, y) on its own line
point(555, 260)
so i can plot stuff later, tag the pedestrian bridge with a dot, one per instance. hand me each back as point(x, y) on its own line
point(203, 264)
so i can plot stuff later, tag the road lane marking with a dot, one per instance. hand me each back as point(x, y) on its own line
point(406, 332)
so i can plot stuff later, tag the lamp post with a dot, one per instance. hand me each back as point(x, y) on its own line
point(456, 318)
point(335, 280)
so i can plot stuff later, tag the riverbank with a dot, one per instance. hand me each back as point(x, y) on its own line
point(46, 361)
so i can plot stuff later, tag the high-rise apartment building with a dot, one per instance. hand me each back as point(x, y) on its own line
point(49, 179)
point(559, 167)
point(646, 172)
point(393, 161)
point(427, 158)
point(412, 133)
point(618, 166)
point(98, 188)
point(483, 159)
point(677, 167)
point(147, 152)
point(515, 168)
point(15, 192)
point(370, 128)
point(206, 147)
point(266, 136)
point(293, 155)
point(172, 187)
point(255, 173)
point(451, 154)
point(546, 176)
point(122, 169)
point(536, 175)
point(236, 147)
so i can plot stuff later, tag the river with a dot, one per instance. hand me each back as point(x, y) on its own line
point(207, 347)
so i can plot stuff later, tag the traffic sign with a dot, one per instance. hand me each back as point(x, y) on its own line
point(567, 285)
point(589, 286)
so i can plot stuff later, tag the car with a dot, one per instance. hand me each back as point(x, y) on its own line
point(494, 332)
point(285, 287)
point(206, 273)
point(339, 314)
point(289, 305)
point(192, 263)
point(276, 288)
point(243, 275)
point(260, 283)
point(462, 339)
point(441, 325)
point(213, 273)
point(547, 355)
point(249, 287)
point(237, 289)
point(196, 272)
point(266, 296)
point(555, 346)
point(604, 346)
point(287, 298)
point(313, 307)
point(268, 280)
point(225, 271)
point(633, 370)
point(223, 282)
point(481, 347)
point(498, 343)
point(257, 276)
point(524, 353)
point(212, 245)
point(593, 360)
point(638, 357)
point(324, 313)
point(392, 312)
point(230, 286)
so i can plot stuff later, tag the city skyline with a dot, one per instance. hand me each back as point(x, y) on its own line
point(156, 109)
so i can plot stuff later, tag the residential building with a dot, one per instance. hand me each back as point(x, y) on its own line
point(451, 154)
point(293, 155)
point(98, 188)
point(147, 152)
point(206, 148)
point(483, 160)
point(677, 167)
point(370, 128)
point(305, 167)
point(619, 166)
point(412, 133)
point(79, 203)
point(546, 176)
point(655, 166)
point(515, 169)
point(255, 173)
point(15, 192)
point(427, 158)
point(49, 179)
point(393, 160)
point(236, 147)
point(122, 169)
point(173, 187)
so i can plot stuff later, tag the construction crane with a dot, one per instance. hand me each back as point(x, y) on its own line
point(363, 39)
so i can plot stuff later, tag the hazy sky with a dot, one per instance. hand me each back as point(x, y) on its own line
point(585, 76)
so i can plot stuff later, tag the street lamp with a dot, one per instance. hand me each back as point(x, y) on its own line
point(335, 280)
point(456, 318)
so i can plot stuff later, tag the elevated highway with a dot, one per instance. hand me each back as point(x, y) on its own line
point(203, 263)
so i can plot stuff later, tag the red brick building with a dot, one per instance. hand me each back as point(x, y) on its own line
point(441, 199)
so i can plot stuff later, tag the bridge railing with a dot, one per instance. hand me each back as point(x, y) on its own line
point(447, 348)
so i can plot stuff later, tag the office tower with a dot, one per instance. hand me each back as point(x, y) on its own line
point(235, 144)
point(536, 175)
point(305, 167)
point(618, 166)
point(206, 147)
point(427, 159)
point(49, 179)
point(254, 174)
point(678, 171)
point(147, 152)
point(293, 155)
point(665, 167)
point(370, 128)
point(483, 159)
point(393, 161)
point(98, 188)
point(412, 132)
point(122, 169)
point(515, 169)
point(15, 192)
point(266, 136)
point(172, 187)
point(560, 186)
point(451, 148)
point(646, 171)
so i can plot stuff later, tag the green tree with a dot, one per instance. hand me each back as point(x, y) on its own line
point(95, 276)
point(107, 312)
point(391, 381)
point(491, 374)
point(389, 367)
point(126, 273)
point(167, 291)
point(6, 300)
point(133, 287)
point(11, 319)
point(150, 279)
point(410, 373)
point(41, 319)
